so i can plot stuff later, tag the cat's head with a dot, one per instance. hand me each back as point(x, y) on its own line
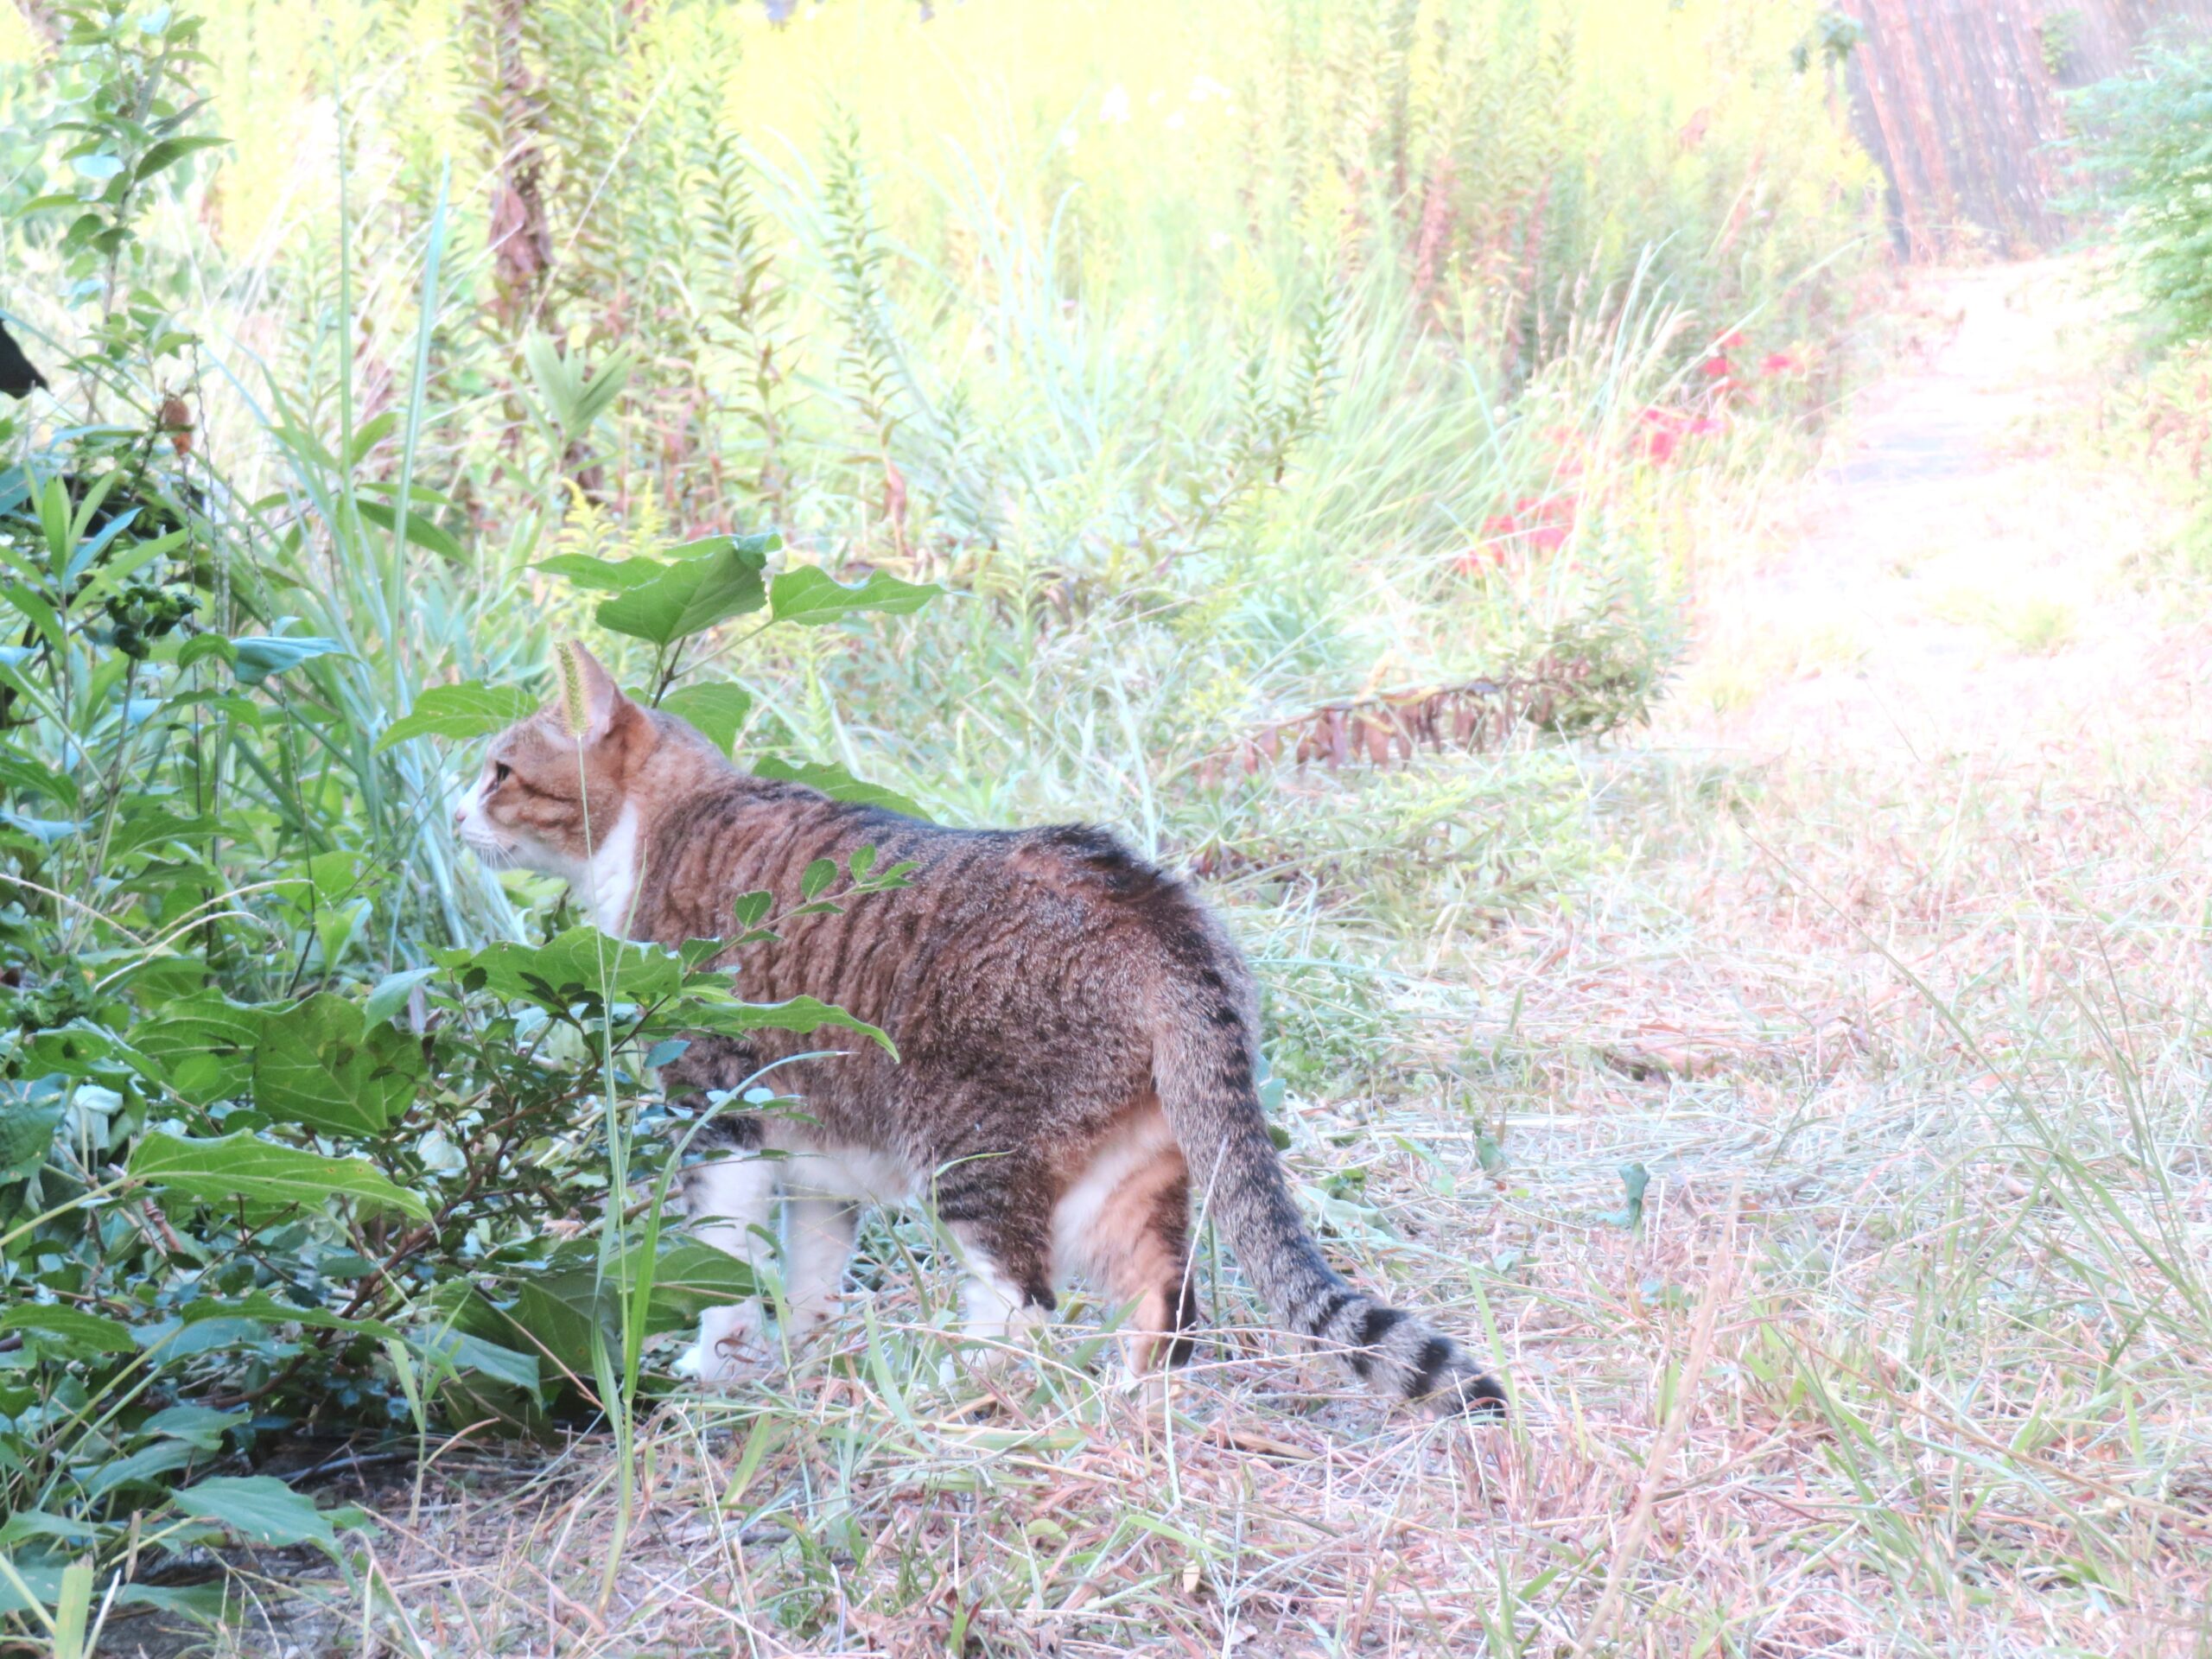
point(555, 785)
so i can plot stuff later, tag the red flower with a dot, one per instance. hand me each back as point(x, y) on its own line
point(1778, 362)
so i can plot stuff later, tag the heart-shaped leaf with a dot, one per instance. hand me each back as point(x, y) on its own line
point(320, 1065)
point(690, 594)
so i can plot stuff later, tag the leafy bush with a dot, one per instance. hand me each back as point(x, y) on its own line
point(2145, 145)
point(1198, 435)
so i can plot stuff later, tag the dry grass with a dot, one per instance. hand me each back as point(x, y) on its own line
point(1894, 985)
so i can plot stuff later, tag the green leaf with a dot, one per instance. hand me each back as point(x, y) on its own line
point(242, 1165)
point(602, 575)
point(20, 774)
point(205, 1043)
point(202, 1427)
point(45, 830)
point(716, 710)
point(574, 394)
point(35, 611)
point(420, 530)
point(690, 595)
point(42, 1577)
point(469, 709)
point(260, 656)
point(1635, 1178)
point(27, 1126)
point(41, 1524)
point(71, 1330)
point(810, 596)
point(258, 1508)
point(470, 1353)
point(816, 877)
point(554, 1307)
point(731, 1016)
point(144, 1467)
point(318, 1063)
point(168, 153)
point(839, 786)
point(371, 433)
point(391, 993)
point(205, 645)
point(579, 964)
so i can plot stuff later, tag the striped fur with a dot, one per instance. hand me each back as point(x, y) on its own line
point(1053, 998)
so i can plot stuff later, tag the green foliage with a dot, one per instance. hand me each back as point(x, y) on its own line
point(2147, 142)
point(1202, 432)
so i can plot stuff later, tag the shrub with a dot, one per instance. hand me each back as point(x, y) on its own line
point(2146, 148)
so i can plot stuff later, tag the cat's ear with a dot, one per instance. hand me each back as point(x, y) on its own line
point(588, 700)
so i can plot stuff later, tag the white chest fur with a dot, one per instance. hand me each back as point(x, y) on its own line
point(609, 885)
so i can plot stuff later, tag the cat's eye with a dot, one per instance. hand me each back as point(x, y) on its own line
point(499, 771)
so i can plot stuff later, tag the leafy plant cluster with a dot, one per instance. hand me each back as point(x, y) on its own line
point(275, 1166)
point(290, 1088)
point(2147, 144)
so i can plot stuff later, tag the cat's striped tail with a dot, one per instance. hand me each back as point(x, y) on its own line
point(1202, 1070)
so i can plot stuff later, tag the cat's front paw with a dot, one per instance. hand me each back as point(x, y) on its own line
point(733, 1348)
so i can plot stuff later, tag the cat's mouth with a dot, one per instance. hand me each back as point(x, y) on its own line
point(496, 852)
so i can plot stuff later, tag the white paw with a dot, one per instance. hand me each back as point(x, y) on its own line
point(1153, 1391)
point(732, 1347)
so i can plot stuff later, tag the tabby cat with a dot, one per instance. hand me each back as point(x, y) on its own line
point(1076, 1040)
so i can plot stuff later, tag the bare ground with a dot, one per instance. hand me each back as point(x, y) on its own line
point(1890, 976)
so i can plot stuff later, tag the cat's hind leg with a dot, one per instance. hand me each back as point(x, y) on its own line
point(1124, 1223)
point(998, 1212)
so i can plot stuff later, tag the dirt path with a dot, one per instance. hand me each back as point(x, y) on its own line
point(1960, 574)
